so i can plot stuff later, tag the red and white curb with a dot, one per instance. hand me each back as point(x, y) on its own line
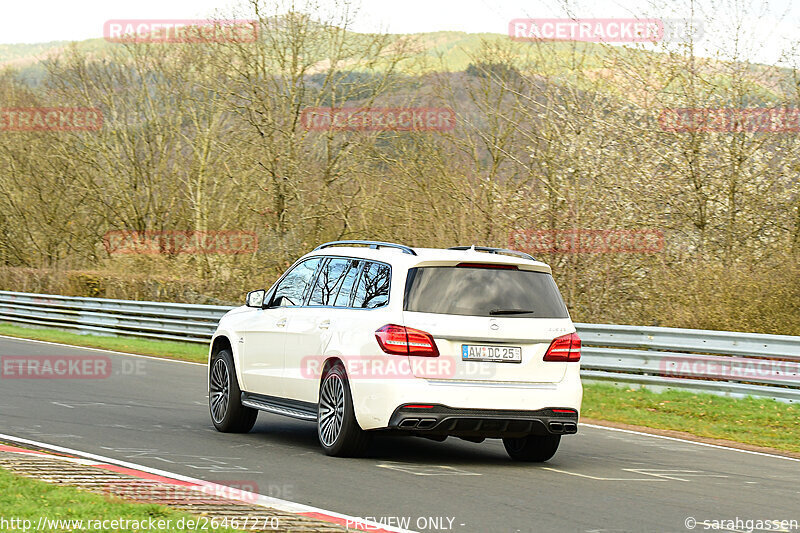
point(169, 478)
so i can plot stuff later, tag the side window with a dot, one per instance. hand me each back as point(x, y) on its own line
point(346, 289)
point(329, 281)
point(293, 287)
point(373, 286)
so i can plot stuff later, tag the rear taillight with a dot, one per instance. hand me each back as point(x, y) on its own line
point(400, 340)
point(565, 348)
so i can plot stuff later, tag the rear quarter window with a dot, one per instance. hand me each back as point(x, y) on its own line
point(373, 286)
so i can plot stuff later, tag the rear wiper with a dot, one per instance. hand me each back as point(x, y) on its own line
point(494, 312)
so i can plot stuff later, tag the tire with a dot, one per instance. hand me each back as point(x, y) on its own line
point(532, 448)
point(225, 398)
point(337, 428)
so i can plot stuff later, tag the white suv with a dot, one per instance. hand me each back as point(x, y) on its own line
point(368, 337)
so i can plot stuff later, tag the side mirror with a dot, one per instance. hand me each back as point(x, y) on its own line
point(256, 298)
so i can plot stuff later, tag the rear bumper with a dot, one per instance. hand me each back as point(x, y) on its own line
point(377, 402)
point(442, 420)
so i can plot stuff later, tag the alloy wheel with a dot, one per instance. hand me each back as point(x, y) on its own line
point(219, 393)
point(331, 409)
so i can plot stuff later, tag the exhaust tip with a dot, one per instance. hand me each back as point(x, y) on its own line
point(426, 423)
point(570, 427)
point(408, 423)
point(556, 427)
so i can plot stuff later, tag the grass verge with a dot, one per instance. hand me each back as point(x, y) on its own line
point(755, 421)
point(23, 498)
point(758, 422)
point(186, 351)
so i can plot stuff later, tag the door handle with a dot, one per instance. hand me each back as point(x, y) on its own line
point(281, 322)
point(325, 324)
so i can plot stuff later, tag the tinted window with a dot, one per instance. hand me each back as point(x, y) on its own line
point(329, 282)
point(293, 286)
point(373, 286)
point(483, 292)
point(346, 290)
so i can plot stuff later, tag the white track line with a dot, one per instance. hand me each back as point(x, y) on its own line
point(609, 428)
point(106, 351)
point(269, 501)
point(687, 441)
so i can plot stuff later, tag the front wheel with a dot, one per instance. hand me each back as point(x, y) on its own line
point(532, 448)
point(224, 397)
point(339, 432)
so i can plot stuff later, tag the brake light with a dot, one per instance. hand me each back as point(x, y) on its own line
point(498, 266)
point(400, 340)
point(566, 348)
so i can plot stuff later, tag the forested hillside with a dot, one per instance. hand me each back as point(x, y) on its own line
point(548, 136)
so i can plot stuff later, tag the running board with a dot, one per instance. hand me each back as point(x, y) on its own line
point(280, 406)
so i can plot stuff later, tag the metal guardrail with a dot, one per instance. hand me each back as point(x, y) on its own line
point(157, 320)
point(718, 362)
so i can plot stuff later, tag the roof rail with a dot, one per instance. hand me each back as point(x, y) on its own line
point(494, 251)
point(372, 244)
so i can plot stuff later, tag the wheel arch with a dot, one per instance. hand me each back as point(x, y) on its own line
point(220, 342)
point(329, 362)
point(354, 395)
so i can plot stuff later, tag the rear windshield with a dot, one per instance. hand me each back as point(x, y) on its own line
point(483, 292)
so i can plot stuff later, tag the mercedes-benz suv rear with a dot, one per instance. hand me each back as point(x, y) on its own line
point(464, 342)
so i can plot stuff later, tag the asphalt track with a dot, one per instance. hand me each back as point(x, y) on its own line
point(154, 413)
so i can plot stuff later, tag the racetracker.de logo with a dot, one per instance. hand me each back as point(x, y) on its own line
point(55, 366)
point(601, 30)
point(731, 120)
point(398, 367)
point(242, 490)
point(729, 368)
point(50, 119)
point(587, 241)
point(128, 242)
point(141, 31)
point(378, 118)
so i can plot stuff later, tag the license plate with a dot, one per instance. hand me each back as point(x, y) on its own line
point(492, 354)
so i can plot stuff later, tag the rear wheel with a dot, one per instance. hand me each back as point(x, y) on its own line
point(339, 432)
point(532, 448)
point(224, 397)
